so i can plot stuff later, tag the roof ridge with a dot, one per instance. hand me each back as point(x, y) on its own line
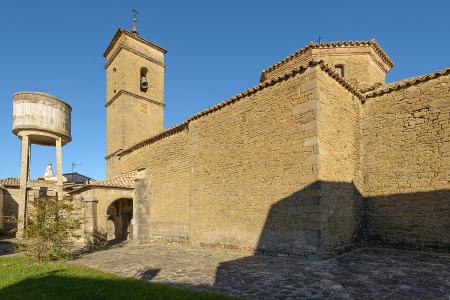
point(30, 180)
point(312, 45)
point(386, 88)
point(134, 36)
point(115, 177)
point(124, 181)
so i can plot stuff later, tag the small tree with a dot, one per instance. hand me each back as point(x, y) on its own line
point(52, 227)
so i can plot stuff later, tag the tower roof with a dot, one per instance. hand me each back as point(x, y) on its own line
point(134, 36)
point(340, 44)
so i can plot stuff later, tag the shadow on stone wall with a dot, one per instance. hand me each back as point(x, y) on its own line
point(328, 218)
point(418, 221)
point(322, 217)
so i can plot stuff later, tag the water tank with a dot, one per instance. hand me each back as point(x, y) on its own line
point(41, 116)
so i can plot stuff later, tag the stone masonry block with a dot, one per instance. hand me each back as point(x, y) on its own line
point(305, 107)
point(311, 160)
point(309, 126)
point(311, 141)
point(309, 85)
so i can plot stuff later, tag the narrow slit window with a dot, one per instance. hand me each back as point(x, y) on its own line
point(339, 69)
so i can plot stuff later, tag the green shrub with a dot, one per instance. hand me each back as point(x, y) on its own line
point(51, 230)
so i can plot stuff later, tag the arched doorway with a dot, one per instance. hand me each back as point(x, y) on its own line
point(119, 215)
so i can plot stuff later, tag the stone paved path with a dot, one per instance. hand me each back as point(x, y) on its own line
point(367, 273)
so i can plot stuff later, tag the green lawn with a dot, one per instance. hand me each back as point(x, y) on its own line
point(23, 279)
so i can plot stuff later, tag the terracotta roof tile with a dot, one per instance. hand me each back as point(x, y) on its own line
point(121, 31)
point(311, 45)
point(386, 88)
point(15, 182)
point(125, 180)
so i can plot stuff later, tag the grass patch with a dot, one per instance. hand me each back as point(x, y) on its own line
point(24, 279)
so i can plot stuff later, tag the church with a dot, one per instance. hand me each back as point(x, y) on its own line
point(320, 156)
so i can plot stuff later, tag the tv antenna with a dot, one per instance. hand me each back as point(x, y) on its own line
point(319, 39)
point(73, 166)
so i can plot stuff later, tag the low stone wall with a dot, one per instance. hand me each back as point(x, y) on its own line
point(9, 209)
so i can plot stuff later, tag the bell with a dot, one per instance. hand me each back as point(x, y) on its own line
point(144, 83)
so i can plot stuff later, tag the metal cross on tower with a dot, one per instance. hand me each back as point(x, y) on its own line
point(135, 12)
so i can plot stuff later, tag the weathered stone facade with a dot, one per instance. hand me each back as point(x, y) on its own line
point(306, 162)
point(406, 162)
point(133, 111)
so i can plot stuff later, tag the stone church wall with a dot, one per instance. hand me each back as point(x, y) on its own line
point(302, 166)
point(250, 167)
point(406, 155)
point(167, 172)
point(339, 172)
point(242, 176)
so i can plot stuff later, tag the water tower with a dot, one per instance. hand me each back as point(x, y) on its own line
point(43, 119)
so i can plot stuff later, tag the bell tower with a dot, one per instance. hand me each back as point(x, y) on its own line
point(134, 92)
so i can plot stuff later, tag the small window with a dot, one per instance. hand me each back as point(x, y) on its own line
point(339, 69)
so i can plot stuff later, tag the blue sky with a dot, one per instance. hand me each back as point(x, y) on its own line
point(216, 49)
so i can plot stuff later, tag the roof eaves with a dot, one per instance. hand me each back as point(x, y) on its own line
point(262, 85)
point(121, 31)
point(323, 45)
point(386, 88)
point(88, 187)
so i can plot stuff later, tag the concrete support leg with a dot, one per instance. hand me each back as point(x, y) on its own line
point(59, 168)
point(24, 175)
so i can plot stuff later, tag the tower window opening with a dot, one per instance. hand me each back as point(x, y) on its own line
point(143, 80)
point(339, 69)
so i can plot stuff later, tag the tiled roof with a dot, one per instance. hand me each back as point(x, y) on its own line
point(372, 43)
point(15, 182)
point(121, 31)
point(386, 88)
point(176, 128)
point(125, 180)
